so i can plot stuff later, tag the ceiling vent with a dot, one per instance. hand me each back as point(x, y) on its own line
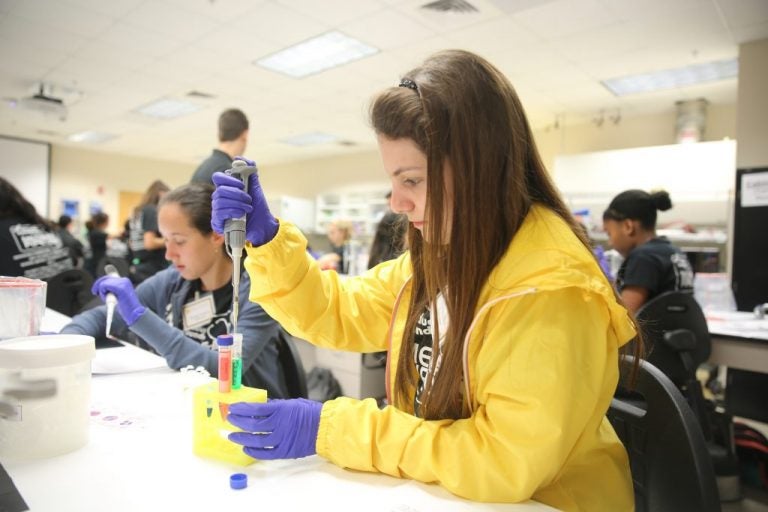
point(458, 6)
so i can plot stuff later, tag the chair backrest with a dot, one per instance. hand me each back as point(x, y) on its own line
point(293, 368)
point(668, 312)
point(671, 467)
point(69, 291)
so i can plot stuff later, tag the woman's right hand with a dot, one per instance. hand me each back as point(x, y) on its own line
point(231, 202)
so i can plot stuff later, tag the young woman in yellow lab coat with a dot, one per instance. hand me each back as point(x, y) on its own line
point(503, 334)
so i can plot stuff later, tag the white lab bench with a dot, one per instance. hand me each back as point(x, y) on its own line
point(139, 457)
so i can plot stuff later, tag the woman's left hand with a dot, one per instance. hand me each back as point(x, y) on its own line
point(128, 304)
point(278, 429)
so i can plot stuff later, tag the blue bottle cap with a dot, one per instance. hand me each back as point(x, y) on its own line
point(224, 339)
point(238, 481)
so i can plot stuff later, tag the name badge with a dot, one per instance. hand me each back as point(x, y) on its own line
point(198, 312)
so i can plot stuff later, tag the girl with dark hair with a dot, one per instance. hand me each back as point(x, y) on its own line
point(97, 241)
point(503, 333)
point(29, 246)
point(652, 265)
point(178, 312)
point(389, 239)
point(145, 241)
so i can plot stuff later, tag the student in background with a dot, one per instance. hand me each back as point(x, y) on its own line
point(652, 265)
point(145, 243)
point(74, 245)
point(179, 311)
point(503, 333)
point(29, 246)
point(389, 239)
point(97, 241)
point(233, 138)
point(339, 233)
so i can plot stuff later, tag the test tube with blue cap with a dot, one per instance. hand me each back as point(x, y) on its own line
point(224, 343)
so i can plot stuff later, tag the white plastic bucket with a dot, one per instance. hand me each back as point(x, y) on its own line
point(45, 389)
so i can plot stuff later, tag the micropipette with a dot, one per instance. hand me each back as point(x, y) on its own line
point(110, 300)
point(234, 240)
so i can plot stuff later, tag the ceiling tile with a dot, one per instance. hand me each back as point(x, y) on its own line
point(218, 10)
point(125, 53)
point(171, 19)
point(115, 8)
point(280, 25)
point(387, 29)
point(742, 13)
point(333, 12)
point(67, 17)
point(131, 37)
point(39, 35)
point(565, 17)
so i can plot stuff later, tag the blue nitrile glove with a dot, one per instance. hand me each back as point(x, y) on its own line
point(287, 429)
point(603, 261)
point(128, 304)
point(231, 202)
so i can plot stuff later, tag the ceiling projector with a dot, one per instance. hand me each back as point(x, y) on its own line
point(43, 102)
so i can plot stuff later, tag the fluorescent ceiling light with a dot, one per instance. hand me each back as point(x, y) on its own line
point(309, 139)
point(91, 137)
point(671, 78)
point(167, 108)
point(314, 55)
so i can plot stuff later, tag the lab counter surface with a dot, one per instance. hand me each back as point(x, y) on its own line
point(139, 457)
point(739, 340)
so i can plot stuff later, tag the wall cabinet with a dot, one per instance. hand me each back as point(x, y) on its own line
point(363, 207)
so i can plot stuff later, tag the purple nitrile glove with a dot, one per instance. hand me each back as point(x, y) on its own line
point(278, 429)
point(231, 202)
point(128, 304)
point(603, 261)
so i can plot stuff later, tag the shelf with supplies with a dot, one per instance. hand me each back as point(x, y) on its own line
point(706, 249)
point(363, 207)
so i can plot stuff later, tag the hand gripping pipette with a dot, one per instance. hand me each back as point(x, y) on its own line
point(234, 240)
point(110, 300)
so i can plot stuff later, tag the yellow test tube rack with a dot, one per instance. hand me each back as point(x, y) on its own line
point(210, 426)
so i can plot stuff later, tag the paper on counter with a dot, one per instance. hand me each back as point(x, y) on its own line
point(125, 359)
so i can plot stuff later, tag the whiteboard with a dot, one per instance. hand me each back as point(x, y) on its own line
point(26, 165)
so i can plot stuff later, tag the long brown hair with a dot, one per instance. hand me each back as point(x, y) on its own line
point(152, 195)
point(464, 111)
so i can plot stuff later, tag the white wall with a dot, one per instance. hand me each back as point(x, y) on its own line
point(96, 176)
point(91, 175)
point(25, 165)
point(699, 177)
point(752, 128)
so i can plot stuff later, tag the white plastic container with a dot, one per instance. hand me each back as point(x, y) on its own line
point(45, 388)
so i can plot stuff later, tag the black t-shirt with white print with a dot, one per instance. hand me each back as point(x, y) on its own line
point(424, 347)
point(422, 355)
point(658, 266)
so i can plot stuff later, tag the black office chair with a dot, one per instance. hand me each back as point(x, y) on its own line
point(678, 342)
point(293, 368)
point(69, 292)
point(671, 468)
point(676, 331)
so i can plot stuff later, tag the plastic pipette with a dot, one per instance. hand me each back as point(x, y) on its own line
point(110, 300)
point(234, 240)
